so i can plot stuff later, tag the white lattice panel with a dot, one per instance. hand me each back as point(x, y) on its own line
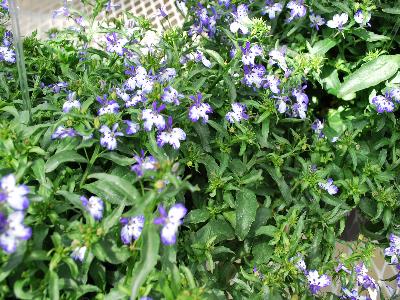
point(37, 14)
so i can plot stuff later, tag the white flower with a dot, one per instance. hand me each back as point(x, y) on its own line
point(242, 21)
point(79, 253)
point(338, 21)
point(15, 195)
point(172, 137)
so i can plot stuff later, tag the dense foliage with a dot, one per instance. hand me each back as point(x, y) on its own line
point(217, 160)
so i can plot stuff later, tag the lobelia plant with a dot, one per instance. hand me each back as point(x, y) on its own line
point(219, 160)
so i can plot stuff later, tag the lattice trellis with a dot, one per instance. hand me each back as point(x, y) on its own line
point(37, 14)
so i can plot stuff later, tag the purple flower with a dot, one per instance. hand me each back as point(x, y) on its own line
point(277, 57)
point(171, 136)
point(273, 83)
point(13, 231)
point(382, 104)
point(131, 229)
point(338, 21)
point(317, 127)
point(15, 195)
point(57, 87)
point(362, 18)
point(301, 105)
point(166, 75)
point(79, 253)
point(131, 127)
point(297, 9)
point(71, 103)
point(329, 187)
point(170, 95)
point(199, 109)
point(115, 44)
point(144, 163)
point(7, 55)
point(226, 3)
point(170, 222)
point(353, 295)
point(61, 133)
point(139, 79)
point(363, 278)
point(393, 251)
point(242, 21)
point(281, 103)
point(108, 106)
point(394, 94)
point(237, 114)
point(162, 12)
point(152, 117)
point(250, 53)
point(203, 23)
point(197, 56)
point(62, 11)
point(4, 4)
point(271, 8)
point(317, 282)
point(255, 76)
point(109, 137)
point(94, 205)
point(7, 38)
point(316, 21)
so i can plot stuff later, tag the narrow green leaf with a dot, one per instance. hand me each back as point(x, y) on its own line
point(268, 230)
point(216, 56)
point(148, 259)
point(370, 74)
point(245, 212)
point(54, 291)
point(322, 47)
point(62, 157)
point(117, 158)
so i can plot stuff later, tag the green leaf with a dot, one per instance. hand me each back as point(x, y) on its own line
point(231, 88)
point(268, 230)
point(74, 199)
point(322, 47)
point(54, 291)
point(117, 158)
point(12, 262)
point(218, 229)
point(113, 218)
point(113, 189)
point(392, 10)
point(262, 253)
point(369, 36)
point(246, 210)
point(108, 250)
point(331, 82)
point(370, 74)
point(62, 157)
point(216, 56)
point(148, 259)
point(280, 181)
point(197, 216)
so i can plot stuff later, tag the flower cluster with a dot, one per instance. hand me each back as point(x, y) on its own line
point(7, 54)
point(387, 102)
point(315, 281)
point(329, 186)
point(393, 252)
point(14, 200)
point(204, 22)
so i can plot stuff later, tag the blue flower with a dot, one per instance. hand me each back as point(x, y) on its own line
point(166, 75)
point(363, 279)
point(297, 9)
point(394, 94)
point(171, 136)
point(317, 127)
point(237, 114)
point(250, 53)
point(144, 163)
point(242, 22)
point(271, 8)
point(255, 76)
point(15, 195)
point(108, 106)
point(273, 83)
point(382, 104)
point(199, 109)
point(71, 103)
point(152, 117)
point(362, 17)
point(316, 21)
point(115, 44)
point(132, 127)
point(78, 253)
point(338, 21)
point(131, 229)
point(4, 5)
point(170, 222)
point(61, 133)
point(13, 231)
point(94, 205)
point(317, 282)
point(329, 186)
point(109, 137)
point(393, 251)
point(170, 95)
